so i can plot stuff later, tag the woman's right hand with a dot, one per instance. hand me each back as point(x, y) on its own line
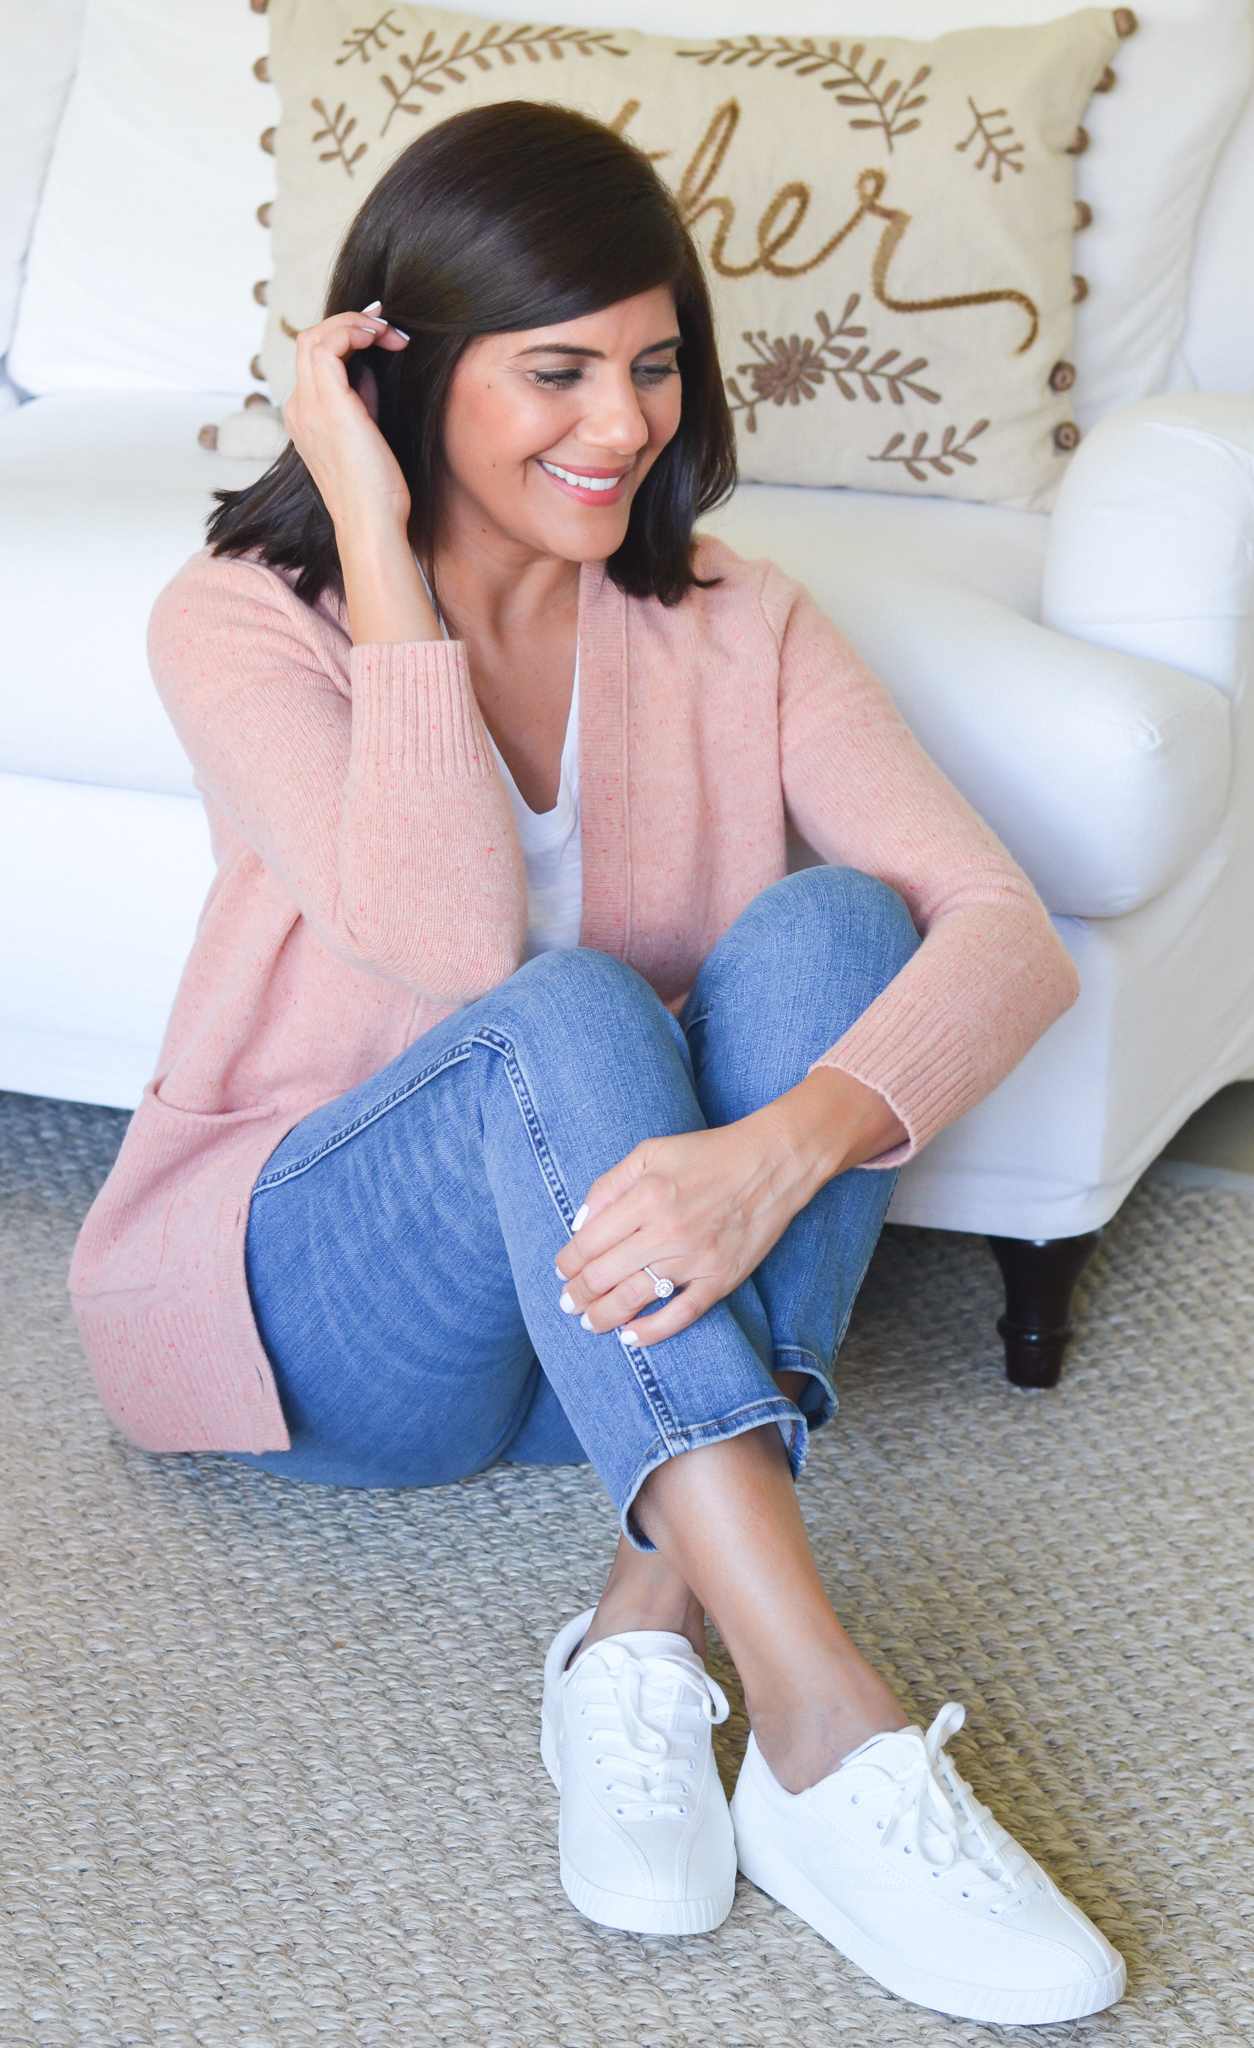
point(363, 487)
point(333, 429)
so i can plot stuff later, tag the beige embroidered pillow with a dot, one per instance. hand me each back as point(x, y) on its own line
point(887, 224)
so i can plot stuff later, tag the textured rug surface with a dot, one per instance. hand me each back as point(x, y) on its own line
point(268, 1769)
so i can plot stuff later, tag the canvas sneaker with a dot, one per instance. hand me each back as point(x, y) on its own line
point(646, 1837)
point(896, 1863)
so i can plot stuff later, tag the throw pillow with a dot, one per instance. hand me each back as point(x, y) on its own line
point(887, 225)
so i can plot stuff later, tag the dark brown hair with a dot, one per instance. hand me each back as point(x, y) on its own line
point(498, 220)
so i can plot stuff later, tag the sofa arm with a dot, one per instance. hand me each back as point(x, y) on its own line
point(1151, 543)
point(1105, 774)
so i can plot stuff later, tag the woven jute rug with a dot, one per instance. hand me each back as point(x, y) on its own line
point(268, 1767)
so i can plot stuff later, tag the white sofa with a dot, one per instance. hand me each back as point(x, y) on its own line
point(1082, 676)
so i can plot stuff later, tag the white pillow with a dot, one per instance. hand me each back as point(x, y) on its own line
point(40, 46)
point(147, 245)
point(1218, 349)
point(125, 292)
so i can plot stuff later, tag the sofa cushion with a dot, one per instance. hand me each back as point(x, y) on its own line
point(147, 244)
point(1104, 773)
point(102, 889)
point(40, 50)
point(103, 495)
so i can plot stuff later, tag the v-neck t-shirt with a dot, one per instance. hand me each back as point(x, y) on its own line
point(552, 849)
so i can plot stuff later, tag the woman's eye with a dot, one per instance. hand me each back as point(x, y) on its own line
point(655, 373)
point(556, 380)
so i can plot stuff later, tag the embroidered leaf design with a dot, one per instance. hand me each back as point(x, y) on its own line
point(855, 84)
point(788, 369)
point(917, 461)
point(337, 131)
point(434, 68)
point(1002, 154)
point(363, 40)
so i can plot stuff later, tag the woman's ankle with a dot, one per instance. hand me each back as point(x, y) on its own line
point(805, 1743)
point(625, 1612)
point(643, 1592)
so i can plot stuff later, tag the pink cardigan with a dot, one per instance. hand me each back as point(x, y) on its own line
point(369, 881)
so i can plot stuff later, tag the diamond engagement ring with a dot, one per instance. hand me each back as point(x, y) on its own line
point(662, 1287)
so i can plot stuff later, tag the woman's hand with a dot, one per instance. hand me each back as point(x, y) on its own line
point(363, 488)
point(704, 1209)
point(332, 427)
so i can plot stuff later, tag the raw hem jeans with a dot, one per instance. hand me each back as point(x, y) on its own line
point(401, 1240)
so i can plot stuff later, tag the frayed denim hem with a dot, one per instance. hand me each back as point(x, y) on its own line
point(792, 1427)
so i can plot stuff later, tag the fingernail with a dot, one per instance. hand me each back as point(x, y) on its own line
point(566, 1305)
point(400, 331)
point(373, 307)
point(581, 1217)
point(628, 1337)
point(585, 1322)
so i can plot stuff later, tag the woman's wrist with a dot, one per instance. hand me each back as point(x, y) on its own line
point(383, 590)
point(830, 1122)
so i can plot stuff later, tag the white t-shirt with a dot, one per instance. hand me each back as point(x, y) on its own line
point(552, 849)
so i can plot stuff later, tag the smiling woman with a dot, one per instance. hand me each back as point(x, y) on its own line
point(514, 1095)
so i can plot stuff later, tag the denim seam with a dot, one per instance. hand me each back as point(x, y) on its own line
point(455, 1055)
point(655, 1399)
point(668, 1425)
point(499, 1043)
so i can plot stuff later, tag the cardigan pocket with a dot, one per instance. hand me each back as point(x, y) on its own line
point(176, 1188)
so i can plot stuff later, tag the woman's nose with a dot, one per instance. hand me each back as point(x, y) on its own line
point(615, 420)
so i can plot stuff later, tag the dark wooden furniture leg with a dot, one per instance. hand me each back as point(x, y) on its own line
point(1040, 1277)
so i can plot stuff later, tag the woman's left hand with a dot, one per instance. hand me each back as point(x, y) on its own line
point(705, 1208)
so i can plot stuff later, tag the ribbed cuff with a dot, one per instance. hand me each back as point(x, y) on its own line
point(921, 1073)
point(414, 711)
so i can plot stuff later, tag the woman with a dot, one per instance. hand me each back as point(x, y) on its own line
point(510, 1097)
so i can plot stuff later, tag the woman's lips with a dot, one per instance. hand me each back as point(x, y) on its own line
point(588, 486)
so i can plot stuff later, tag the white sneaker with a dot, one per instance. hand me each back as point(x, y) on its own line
point(646, 1838)
point(895, 1862)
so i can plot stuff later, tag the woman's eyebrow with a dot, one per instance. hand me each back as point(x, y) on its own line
point(566, 348)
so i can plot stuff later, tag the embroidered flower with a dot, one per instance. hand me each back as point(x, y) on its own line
point(791, 372)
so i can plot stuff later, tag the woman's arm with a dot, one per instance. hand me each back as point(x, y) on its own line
point(990, 976)
point(333, 431)
point(378, 806)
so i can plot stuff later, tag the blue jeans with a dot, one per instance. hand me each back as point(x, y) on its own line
point(401, 1240)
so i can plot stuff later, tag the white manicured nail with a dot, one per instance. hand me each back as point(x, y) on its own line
point(628, 1337)
point(373, 307)
point(400, 331)
point(585, 1322)
point(581, 1217)
point(566, 1305)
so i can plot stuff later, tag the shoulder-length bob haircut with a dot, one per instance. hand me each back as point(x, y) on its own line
point(501, 219)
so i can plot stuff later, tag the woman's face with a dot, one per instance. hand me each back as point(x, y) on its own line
point(550, 433)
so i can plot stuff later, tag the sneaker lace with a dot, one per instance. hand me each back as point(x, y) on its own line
point(937, 1816)
point(638, 1739)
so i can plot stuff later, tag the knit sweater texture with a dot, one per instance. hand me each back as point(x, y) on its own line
point(369, 881)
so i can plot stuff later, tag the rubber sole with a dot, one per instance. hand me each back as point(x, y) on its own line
point(633, 1916)
point(781, 1880)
